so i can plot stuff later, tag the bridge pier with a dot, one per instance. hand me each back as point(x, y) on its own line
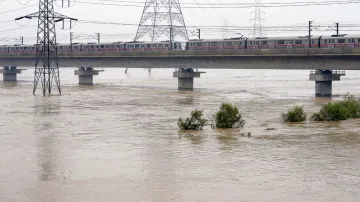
point(323, 81)
point(86, 75)
point(186, 78)
point(10, 73)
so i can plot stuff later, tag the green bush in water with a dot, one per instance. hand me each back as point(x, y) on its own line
point(228, 117)
point(195, 122)
point(339, 110)
point(296, 114)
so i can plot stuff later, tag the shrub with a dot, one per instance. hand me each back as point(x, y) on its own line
point(228, 117)
point(338, 110)
point(195, 122)
point(296, 114)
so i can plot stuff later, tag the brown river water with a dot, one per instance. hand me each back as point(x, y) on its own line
point(118, 140)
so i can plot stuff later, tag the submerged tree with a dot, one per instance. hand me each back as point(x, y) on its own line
point(195, 122)
point(296, 114)
point(228, 117)
point(338, 110)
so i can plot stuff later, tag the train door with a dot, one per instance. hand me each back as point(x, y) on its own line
point(221, 45)
point(271, 44)
point(256, 45)
point(251, 44)
point(351, 43)
point(288, 43)
point(357, 42)
point(331, 43)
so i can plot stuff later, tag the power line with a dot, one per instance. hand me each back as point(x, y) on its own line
point(245, 5)
point(7, 30)
point(17, 9)
point(229, 4)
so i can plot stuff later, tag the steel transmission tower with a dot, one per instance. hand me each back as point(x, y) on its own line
point(257, 27)
point(162, 17)
point(47, 64)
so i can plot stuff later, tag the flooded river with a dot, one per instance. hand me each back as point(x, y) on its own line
point(118, 140)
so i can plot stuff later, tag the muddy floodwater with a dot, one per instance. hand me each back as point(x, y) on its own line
point(118, 140)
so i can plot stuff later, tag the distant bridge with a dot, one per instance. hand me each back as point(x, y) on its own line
point(296, 59)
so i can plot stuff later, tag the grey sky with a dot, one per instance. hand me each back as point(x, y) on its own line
point(193, 17)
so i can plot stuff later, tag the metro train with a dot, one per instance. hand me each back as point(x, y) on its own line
point(334, 41)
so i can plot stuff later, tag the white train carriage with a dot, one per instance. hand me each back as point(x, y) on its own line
point(339, 41)
point(63, 48)
point(90, 47)
point(152, 46)
point(111, 47)
point(281, 42)
point(215, 44)
point(4, 49)
point(76, 47)
point(22, 49)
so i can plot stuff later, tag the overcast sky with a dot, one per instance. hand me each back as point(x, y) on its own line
point(321, 15)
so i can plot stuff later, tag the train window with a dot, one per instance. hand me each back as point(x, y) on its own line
point(137, 46)
point(280, 42)
point(214, 43)
point(102, 46)
point(312, 41)
point(263, 42)
point(160, 45)
point(298, 41)
point(166, 45)
point(325, 40)
point(148, 45)
point(341, 40)
point(250, 42)
point(352, 41)
point(228, 43)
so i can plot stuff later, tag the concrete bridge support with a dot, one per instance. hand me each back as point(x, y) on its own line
point(10, 73)
point(86, 75)
point(186, 78)
point(323, 81)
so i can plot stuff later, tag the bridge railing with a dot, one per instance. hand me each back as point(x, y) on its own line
point(337, 72)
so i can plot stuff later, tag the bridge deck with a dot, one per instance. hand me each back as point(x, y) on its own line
point(315, 58)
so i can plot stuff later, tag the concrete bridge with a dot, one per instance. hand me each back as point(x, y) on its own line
point(326, 60)
point(299, 59)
